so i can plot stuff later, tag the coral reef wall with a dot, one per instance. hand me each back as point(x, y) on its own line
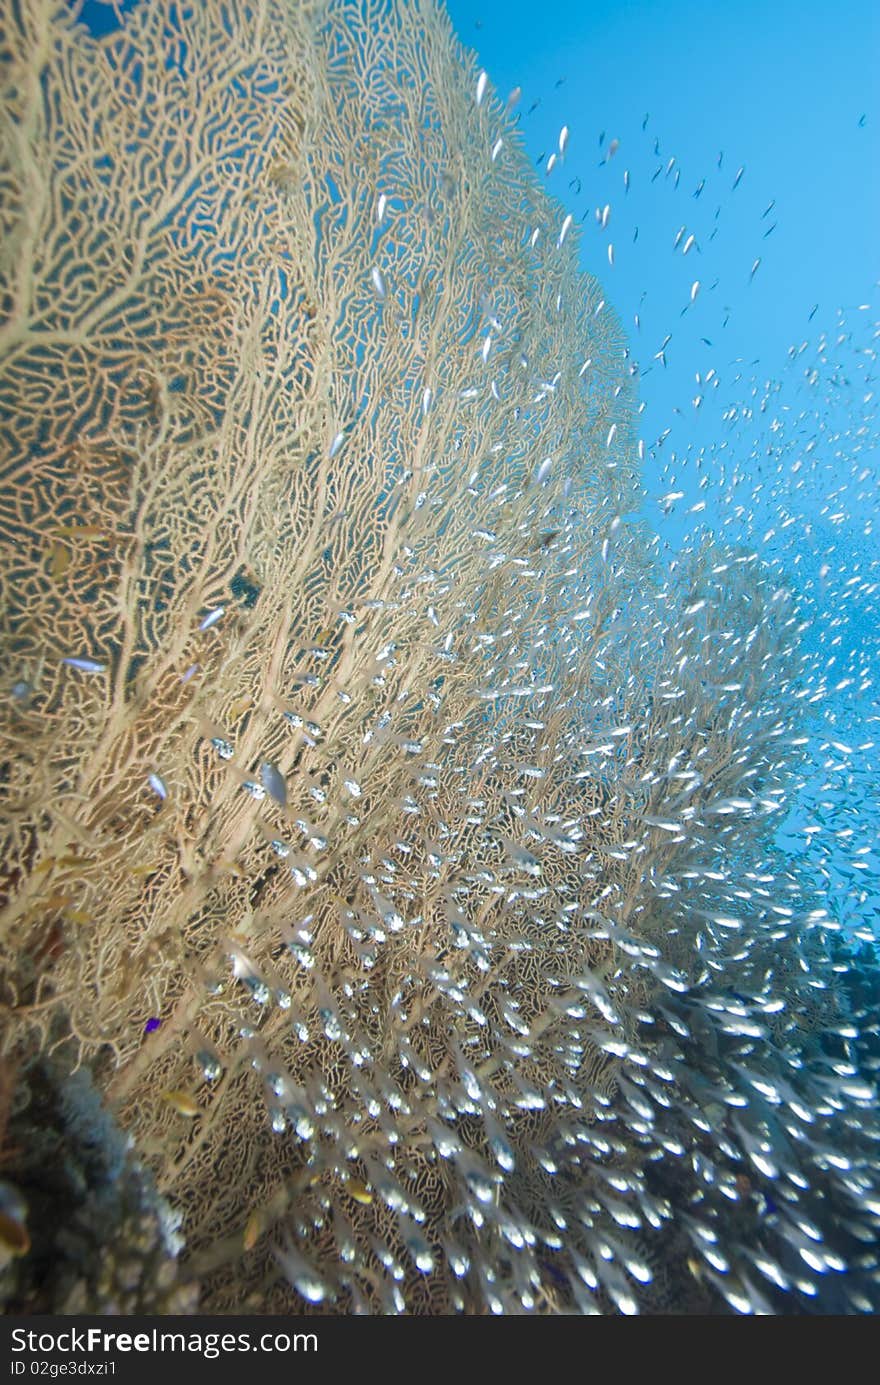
point(381, 825)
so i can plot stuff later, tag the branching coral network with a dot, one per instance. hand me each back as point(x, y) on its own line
point(382, 827)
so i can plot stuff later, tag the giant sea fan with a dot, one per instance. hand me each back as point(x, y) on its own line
point(503, 1003)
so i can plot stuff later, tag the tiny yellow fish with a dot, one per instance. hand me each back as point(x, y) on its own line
point(56, 900)
point(183, 1103)
point(78, 531)
point(59, 561)
point(254, 1229)
point(695, 1268)
point(359, 1191)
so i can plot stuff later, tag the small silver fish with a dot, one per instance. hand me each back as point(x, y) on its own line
point(84, 665)
point(157, 785)
point(212, 617)
point(273, 782)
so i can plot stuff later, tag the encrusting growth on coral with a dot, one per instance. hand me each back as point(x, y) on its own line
point(99, 1238)
point(385, 831)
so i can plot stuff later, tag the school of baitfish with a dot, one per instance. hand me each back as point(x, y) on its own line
point(390, 828)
